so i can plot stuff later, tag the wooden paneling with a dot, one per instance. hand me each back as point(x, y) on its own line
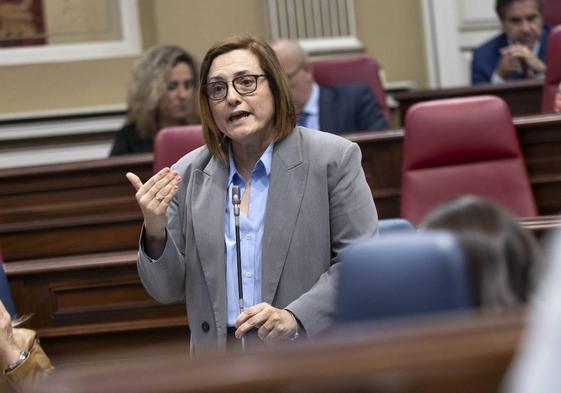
point(70, 236)
point(89, 207)
point(522, 97)
point(91, 304)
point(70, 182)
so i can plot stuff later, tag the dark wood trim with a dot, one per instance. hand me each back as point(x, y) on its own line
point(522, 97)
point(440, 354)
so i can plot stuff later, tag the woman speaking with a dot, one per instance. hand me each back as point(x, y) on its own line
point(304, 198)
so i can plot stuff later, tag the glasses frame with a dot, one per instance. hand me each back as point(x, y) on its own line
point(232, 82)
point(300, 67)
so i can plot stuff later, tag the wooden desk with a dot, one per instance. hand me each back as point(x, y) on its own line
point(522, 97)
point(458, 354)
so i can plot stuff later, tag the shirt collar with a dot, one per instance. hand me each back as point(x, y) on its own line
point(265, 162)
point(312, 106)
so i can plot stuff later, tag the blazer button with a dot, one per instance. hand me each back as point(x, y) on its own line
point(205, 326)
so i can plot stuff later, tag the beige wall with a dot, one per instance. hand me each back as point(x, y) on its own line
point(392, 32)
point(196, 25)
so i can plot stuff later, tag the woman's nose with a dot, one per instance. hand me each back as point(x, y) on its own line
point(182, 92)
point(232, 96)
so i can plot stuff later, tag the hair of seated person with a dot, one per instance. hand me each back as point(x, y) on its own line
point(502, 5)
point(148, 83)
point(501, 255)
point(21, 320)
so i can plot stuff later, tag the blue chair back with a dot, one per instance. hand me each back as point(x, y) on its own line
point(393, 225)
point(402, 275)
point(5, 294)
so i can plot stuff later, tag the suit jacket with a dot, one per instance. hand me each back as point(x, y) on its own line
point(487, 57)
point(348, 108)
point(318, 203)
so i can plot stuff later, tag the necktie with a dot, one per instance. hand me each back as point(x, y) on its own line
point(303, 119)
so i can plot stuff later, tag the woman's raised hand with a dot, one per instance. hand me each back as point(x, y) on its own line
point(154, 197)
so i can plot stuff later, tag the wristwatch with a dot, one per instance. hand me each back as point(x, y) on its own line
point(11, 367)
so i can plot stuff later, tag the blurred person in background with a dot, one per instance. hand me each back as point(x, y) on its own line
point(161, 93)
point(336, 109)
point(23, 361)
point(503, 258)
point(517, 53)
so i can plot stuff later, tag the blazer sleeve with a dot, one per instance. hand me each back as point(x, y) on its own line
point(478, 73)
point(352, 217)
point(164, 277)
point(369, 113)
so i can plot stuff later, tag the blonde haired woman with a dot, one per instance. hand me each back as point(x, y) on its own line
point(160, 94)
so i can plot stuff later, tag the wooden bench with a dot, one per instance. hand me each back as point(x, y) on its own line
point(88, 304)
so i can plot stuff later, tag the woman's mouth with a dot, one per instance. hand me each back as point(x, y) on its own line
point(238, 116)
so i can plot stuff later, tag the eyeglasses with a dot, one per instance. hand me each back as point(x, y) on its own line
point(293, 73)
point(243, 84)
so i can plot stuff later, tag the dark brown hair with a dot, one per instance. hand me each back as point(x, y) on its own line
point(284, 118)
point(499, 252)
point(502, 5)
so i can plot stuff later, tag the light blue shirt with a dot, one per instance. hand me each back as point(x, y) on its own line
point(312, 108)
point(251, 235)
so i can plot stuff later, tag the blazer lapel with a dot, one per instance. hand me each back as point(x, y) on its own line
point(208, 204)
point(289, 175)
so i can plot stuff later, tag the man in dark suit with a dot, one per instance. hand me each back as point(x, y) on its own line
point(335, 109)
point(519, 52)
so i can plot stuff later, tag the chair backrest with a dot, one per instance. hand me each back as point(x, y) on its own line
point(553, 71)
point(402, 275)
point(352, 69)
point(5, 294)
point(172, 143)
point(393, 225)
point(552, 12)
point(462, 146)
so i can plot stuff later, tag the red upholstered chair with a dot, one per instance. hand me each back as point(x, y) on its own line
point(172, 143)
point(552, 12)
point(352, 69)
point(553, 72)
point(462, 146)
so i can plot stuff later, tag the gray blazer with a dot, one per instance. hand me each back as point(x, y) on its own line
point(318, 203)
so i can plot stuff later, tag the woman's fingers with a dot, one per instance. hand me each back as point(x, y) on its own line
point(159, 188)
point(271, 322)
point(134, 180)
